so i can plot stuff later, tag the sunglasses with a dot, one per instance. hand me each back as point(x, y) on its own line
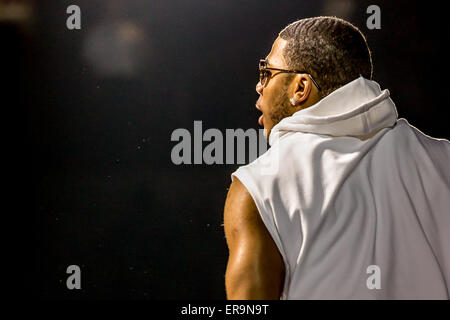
point(265, 74)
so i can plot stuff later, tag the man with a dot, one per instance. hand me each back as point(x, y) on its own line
point(349, 202)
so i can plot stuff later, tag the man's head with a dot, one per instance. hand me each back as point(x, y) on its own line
point(329, 52)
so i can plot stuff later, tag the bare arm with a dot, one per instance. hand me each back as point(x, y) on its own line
point(255, 267)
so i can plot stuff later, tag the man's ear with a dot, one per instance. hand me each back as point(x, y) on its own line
point(302, 89)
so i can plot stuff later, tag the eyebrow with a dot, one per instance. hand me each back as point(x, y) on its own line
point(270, 65)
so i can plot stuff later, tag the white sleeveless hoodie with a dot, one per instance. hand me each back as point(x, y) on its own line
point(356, 200)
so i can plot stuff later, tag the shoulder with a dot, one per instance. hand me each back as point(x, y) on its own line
point(240, 209)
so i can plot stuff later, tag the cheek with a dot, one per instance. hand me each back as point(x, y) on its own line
point(269, 99)
point(274, 102)
point(279, 109)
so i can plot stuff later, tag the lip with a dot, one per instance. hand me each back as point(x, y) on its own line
point(261, 118)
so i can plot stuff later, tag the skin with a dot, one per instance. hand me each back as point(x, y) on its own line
point(255, 268)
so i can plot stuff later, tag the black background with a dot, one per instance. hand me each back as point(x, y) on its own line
point(98, 188)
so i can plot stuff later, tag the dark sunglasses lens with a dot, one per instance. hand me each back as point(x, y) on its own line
point(263, 76)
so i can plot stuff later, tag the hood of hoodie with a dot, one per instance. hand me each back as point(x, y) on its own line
point(356, 109)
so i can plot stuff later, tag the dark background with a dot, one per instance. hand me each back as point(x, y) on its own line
point(96, 108)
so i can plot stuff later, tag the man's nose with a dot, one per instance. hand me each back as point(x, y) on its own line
point(259, 87)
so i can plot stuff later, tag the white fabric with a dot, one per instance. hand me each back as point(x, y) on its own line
point(337, 200)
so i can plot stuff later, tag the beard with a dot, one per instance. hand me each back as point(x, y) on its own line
point(282, 109)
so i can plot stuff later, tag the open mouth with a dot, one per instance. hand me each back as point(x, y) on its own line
point(261, 118)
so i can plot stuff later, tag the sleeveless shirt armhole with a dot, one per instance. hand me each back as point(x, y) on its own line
point(266, 217)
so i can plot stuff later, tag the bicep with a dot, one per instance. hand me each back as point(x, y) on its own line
point(255, 267)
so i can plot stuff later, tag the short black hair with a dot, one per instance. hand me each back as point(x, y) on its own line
point(331, 49)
